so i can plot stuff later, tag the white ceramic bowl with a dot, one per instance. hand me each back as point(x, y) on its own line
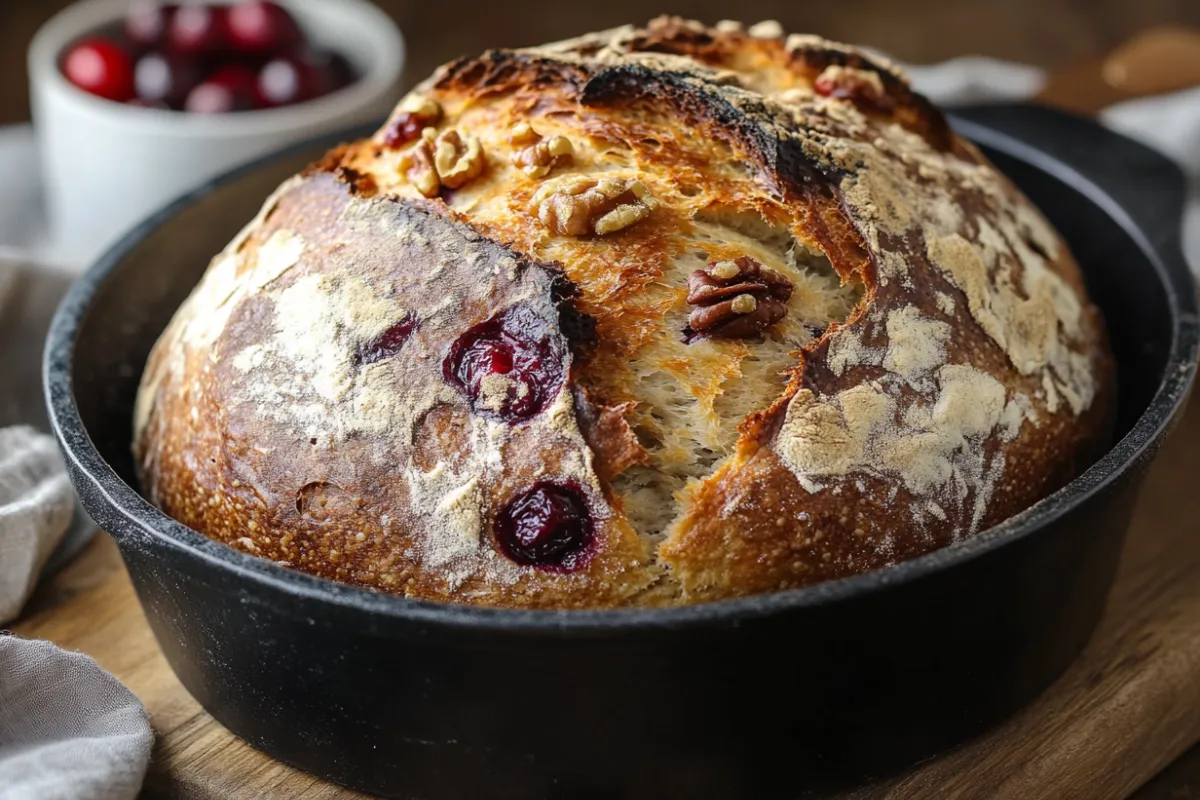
point(106, 165)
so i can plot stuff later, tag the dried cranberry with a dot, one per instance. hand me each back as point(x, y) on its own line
point(284, 81)
point(199, 30)
point(261, 28)
point(230, 88)
point(100, 67)
point(519, 347)
point(403, 129)
point(147, 23)
point(547, 526)
point(160, 78)
point(486, 357)
point(388, 343)
point(853, 85)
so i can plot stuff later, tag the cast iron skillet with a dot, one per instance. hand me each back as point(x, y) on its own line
point(778, 695)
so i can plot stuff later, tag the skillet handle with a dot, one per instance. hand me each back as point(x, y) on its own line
point(1134, 182)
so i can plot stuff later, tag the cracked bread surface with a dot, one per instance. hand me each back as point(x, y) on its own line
point(938, 368)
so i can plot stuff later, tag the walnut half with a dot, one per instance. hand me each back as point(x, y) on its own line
point(537, 156)
point(447, 159)
point(736, 299)
point(459, 158)
point(582, 205)
point(416, 164)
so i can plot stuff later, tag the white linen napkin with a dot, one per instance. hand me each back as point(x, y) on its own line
point(1171, 124)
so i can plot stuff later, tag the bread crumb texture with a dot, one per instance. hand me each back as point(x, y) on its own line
point(938, 368)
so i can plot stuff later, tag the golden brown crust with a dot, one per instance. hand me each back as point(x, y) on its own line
point(251, 440)
point(972, 378)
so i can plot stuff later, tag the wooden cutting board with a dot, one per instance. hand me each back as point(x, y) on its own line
point(1127, 708)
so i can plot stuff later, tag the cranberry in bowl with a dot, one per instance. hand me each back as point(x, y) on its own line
point(206, 58)
point(137, 102)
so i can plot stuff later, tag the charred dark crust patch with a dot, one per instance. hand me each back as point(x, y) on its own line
point(814, 60)
point(746, 123)
point(912, 110)
point(359, 183)
point(674, 36)
point(502, 71)
point(578, 327)
point(679, 37)
point(329, 162)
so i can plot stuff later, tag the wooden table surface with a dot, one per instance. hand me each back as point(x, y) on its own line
point(1048, 33)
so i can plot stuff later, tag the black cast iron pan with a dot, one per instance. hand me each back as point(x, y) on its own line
point(773, 696)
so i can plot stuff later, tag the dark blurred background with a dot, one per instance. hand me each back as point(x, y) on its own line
point(1048, 33)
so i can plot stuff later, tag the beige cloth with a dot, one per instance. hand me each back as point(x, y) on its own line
point(68, 729)
point(36, 504)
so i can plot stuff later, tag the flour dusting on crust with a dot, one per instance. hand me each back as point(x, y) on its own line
point(909, 358)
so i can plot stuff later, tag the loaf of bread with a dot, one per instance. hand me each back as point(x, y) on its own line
point(648, 317)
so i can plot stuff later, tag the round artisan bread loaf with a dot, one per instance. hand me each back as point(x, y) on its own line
point(652, 316)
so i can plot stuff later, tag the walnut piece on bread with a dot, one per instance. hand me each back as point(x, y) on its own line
point(537, 156)
point(652, 316)
point(458, 158)
point(581, 205)
point(736, 298)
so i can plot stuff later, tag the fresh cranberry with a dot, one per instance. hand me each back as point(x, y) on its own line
point(161, 78)
point(547, 526)
point(210, 98)
point(199, 30)
point(229, 88)
point(100, 67)
point(238, 77)
point(147, 23)
point(261, 28)
point(284, 81)
point(388, 343)
point(403, 129)
point(518, 346)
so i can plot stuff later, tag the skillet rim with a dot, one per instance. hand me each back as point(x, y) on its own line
point(157, 529)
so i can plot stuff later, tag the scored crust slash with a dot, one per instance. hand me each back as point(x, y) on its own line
point(651, 316)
